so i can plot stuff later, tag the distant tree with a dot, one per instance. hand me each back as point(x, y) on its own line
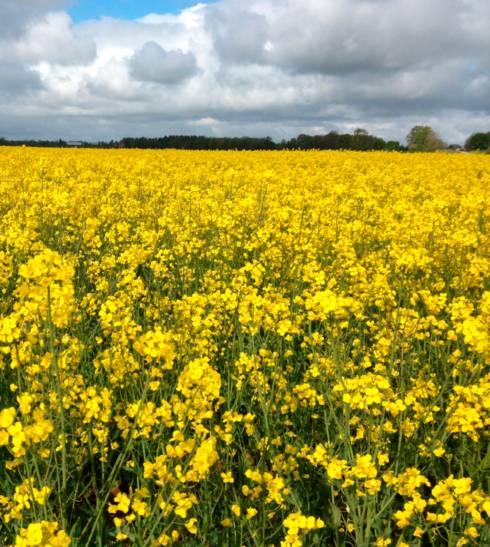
point(393, 145)
point(422, 138)
point(478, 141)
point(360, 140)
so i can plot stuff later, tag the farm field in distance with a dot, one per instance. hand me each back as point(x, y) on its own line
point(244, 348)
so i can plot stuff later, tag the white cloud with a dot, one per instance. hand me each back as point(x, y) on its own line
point(54, 40)
point(251, 67)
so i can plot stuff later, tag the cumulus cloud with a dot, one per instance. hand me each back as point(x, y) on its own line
point(16, 14)
point(380, 35)
point(54, 40)
point(17, 80)
point(239, 35)
point(251, 67)
point(152, 63)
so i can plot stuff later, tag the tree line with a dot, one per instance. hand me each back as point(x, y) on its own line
point(420, 139)
point(359, 140)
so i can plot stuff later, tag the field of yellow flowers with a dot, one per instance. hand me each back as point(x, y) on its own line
point(252, 349)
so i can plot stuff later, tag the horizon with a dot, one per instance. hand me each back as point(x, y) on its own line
point(401, 141)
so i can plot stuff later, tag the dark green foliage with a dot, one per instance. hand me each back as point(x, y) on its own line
point(359, 140)
point(478, 141)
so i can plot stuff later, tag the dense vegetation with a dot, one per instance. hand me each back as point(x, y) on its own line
point(420, 139)
point(478, 141)
point(359, 140)
point(244, 348)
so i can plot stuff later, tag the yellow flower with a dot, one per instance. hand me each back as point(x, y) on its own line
point(7, 417)
point(227, 477)
point(42, 533)
point(439, 451)
point(34, 534)
point(191, 525)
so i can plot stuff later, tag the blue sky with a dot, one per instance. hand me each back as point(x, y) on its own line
point(83, 10)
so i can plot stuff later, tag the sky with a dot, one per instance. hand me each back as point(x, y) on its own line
point(99, 69)
point(83, 10)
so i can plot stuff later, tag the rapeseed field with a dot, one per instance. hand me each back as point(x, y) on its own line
point(254, 349)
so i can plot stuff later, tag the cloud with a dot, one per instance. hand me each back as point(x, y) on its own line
point(53, 40)
point(16, 14)
point(366, 35)
point(17, 81)
point(152, 63)
point(239, 35)
point(250, 67)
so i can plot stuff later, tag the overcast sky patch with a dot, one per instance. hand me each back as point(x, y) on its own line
point(244, 67)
